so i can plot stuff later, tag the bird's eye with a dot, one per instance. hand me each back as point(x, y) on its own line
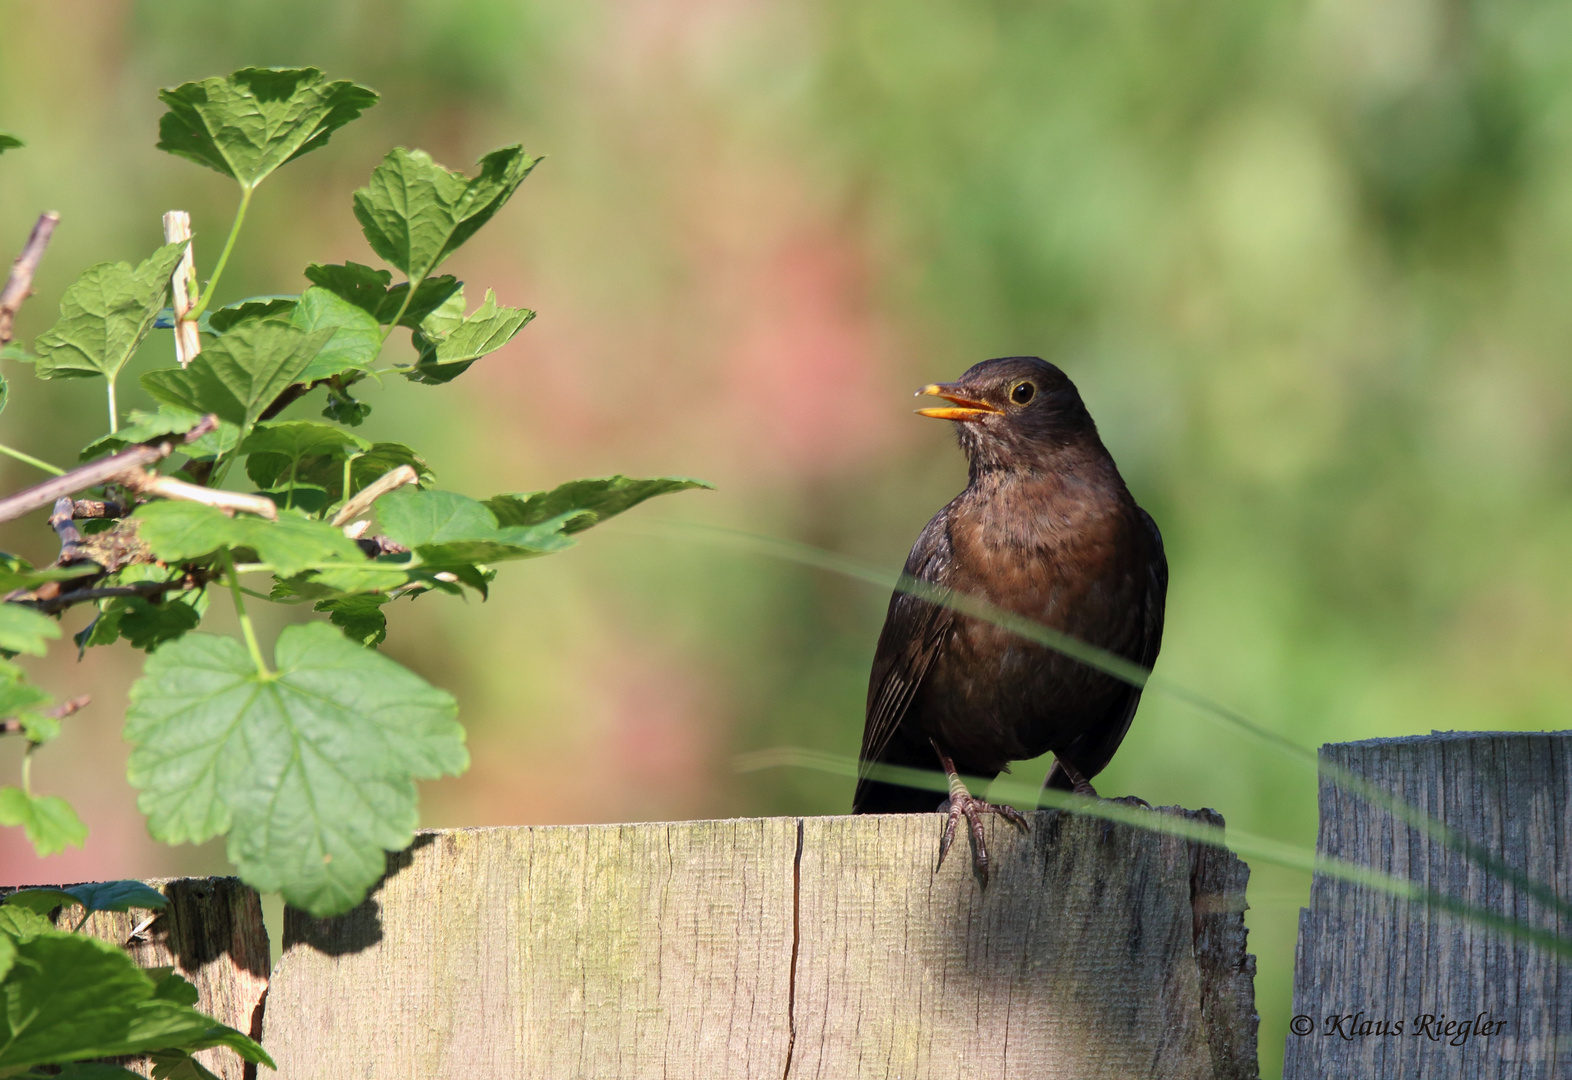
point(1022, 392)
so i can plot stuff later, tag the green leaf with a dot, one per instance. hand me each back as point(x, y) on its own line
point(94, 1070)
point(250, 123)
point(17, 573)
point(228, 317)
point(7, 954)
point(147, 625)
point(344, 409)
point(168, 420)
point(5, 392)
point(42, 901)
point(48, 820)
point(383, 458)
point(593, 500)
point(175, 1065)
point(70, 997)
point(167, 986)
point(368, 290)
point(276, 449)
point(357, 337)
point(185, 532)
point(311, 771)
point(23, 630)
point(94, 896)
point(447, 346)
point(104, 316)
point(415, 213)
point(360, 617)
point(443, 527)
point(21, 923)
point(242, 373)
point(9, 142)
point(118, 896)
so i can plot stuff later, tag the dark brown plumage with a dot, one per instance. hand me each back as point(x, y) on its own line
point(1045, 528)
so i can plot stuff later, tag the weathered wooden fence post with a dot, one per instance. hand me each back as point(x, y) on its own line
point(1471, 1001)
point(776, 947)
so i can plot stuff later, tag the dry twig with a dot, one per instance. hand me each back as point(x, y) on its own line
point(183, 287)
point(374, 491)
point(12, 726)
point(19, 286)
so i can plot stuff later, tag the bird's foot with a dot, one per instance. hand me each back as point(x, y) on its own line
point(1081, 785)
point(963, 804)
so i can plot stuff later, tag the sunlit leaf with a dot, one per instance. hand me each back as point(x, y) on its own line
point(242, 373)
point(445, 527)
point(252, 307)
point(168, 420)
point(71, 997)
point(447, 346)
point(595, 500)
point(104, 315)
point(311, 771)
point(415, 213)
point(251, 122)
point(187, 531)
point(48, 820)
point(356, 341)
point(23, 630)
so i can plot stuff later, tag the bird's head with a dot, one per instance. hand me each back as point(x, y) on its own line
point(1013, 410)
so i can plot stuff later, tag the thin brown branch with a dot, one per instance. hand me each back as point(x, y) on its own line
point(147, 590)
point(183, 288)
point(12, 726)
point(90, 509)
point(379, 487)
point(19, 286)
point(131, 460)
point(70, 536)
point(373, 546)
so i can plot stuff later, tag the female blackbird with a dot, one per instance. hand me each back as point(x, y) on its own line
point(1045, 528)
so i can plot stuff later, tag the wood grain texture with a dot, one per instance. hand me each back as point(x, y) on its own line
point(773, 948)
point(1361, 951)
point(212, 934)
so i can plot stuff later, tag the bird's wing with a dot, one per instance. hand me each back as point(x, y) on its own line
point(1097, 748)
point(914, 631)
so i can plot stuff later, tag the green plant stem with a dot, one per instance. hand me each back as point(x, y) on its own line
point(27, 769)
point(223, 257)
point(413, 285)
point(114, 413)
point(245, 620)
point(28, 459)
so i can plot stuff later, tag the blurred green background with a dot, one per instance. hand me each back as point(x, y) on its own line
point(1307, 262)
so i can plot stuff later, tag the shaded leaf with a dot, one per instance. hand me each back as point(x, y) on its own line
point(174, 1065)
point(276, 449)
point(9, 142)
point(251, 122)
point(360, 617)
point(48, 820)
point(242, 373)
point(368, 290)
point(311, 771)
point(594, 500)
point(147, 625)
point(344, 409)
point(104, 315)
point(23, 630)
point(447, 346)
point(95, 1070)
point(415, 213)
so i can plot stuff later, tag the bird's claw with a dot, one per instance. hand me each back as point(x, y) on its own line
point(972, 809)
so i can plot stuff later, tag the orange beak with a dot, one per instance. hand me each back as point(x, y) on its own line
point(966, 408)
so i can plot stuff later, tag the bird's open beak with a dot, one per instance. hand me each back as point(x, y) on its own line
point(966, 408)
